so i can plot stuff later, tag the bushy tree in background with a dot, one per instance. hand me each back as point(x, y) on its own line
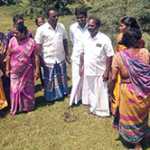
point(36, 7)
point(110, 11)
point(8, 2)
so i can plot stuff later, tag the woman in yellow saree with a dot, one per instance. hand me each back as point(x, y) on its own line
point(133, 65)
point(126, 23)
point(3, 102)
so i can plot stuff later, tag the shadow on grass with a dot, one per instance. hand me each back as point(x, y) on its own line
point(76, 105)
point(40, 100)
point(145, 143)
point(126, 144)
point(3, 113)
point(38, 88)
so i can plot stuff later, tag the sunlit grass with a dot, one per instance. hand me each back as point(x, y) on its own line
point(45, 129)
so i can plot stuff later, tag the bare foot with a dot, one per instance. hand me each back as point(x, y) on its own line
point(12, 114)
point(138, 147)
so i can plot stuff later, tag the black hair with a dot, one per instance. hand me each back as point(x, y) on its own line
point(36, 19)
point(49, 9)
point(130, 22)
point(131, 38)
point(17, 17)
point(98, 22)
point(80, 11)
point(22, 28)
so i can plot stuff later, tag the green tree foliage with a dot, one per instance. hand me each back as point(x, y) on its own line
point(110, 11)
point(39, 7)
point(8, 2)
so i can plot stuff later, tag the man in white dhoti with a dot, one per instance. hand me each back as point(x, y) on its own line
point(96, 60)
point(77, 32)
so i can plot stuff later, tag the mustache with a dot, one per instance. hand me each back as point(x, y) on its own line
point(89, 29)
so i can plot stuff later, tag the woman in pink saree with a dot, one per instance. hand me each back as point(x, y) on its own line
point(22, 64)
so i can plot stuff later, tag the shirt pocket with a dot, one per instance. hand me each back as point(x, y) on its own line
point(98, 52)
point(48, 37)
point(60, 36)
point(59, 39)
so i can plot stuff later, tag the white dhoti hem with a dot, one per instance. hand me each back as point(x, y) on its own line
point(96, 95)
point(77, 83)
point(85, 92)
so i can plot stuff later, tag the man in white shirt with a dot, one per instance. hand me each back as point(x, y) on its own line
point(77, 32)
point(51, 39)
point(96, 59)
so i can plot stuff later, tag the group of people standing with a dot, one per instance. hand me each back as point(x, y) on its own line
point(107, 81)
point(91, 61)
point(123, 77)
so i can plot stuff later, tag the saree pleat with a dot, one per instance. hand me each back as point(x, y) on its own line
point(133, 123)
point(22, 75)
point(116, 102)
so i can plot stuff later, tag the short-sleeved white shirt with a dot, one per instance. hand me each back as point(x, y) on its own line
point(77, 35)
point(96, 50)
point(52, 42)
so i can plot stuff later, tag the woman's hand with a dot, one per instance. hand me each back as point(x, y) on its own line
point(81, 71)
point(67, 58)
point(111, 84)
point(7, 73)
point(36, 74)
point(1, 73)
point(106, 75)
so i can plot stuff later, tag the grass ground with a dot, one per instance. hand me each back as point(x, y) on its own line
point(46, 129)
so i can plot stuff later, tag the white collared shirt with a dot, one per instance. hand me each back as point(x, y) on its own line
point(52, 42)
point(76, 35)
point(96, 50)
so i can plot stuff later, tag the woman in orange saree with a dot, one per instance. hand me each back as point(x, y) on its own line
point(3, 102)
point(126, 23)
point(133, 65)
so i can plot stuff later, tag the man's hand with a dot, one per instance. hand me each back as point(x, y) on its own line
point(81, 71)
point(67, 58)
point(105, 76)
